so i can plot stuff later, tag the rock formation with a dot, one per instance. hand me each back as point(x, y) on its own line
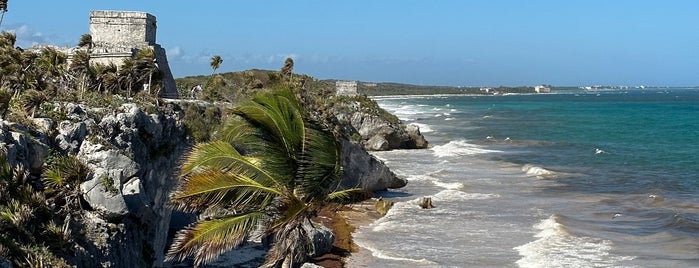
point(376, 129)
point(134, 157)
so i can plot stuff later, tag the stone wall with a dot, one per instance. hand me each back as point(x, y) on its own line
point(122, 28)
point(346, 88)
point(118, 35)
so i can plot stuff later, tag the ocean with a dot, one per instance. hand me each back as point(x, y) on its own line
point(573, 179)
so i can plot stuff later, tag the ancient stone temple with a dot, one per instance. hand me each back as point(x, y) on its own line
point(346, 88)
point(118, 35)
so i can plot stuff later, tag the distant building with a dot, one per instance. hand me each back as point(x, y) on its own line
point(542, 89)
point(346, 88)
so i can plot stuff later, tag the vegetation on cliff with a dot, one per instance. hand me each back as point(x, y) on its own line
point(269, 171)
point(42, 86)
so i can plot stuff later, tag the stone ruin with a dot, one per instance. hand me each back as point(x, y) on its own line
point(346, 88)
point(118, 35)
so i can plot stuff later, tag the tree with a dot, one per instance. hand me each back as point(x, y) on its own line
point(147, 67)
point(80, 67)
point(3, 9)
point(106, 77)
point(215, 63)
point(269, 171)
point(85, 41)
point(288, 68)
point(31, 100)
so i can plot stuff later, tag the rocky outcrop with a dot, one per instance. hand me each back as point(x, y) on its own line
point(132, 156)
point(24, 147)
point(362, 170)
point(379, 130)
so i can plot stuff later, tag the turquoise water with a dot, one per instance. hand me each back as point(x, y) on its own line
point(582, 179)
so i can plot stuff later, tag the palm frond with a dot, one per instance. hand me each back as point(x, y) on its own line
point(320, 168)
point(208, 239)
point(347, 195)
point(278, 116)
point(218, 155)
point(214, 188)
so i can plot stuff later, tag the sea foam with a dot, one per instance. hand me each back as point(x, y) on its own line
point(556, 247)
point(539, 172)
point(459, 148)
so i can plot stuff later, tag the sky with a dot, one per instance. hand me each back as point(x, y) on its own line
point(445, 42)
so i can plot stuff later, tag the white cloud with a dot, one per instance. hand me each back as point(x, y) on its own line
point(26, 36)
point(175, 52)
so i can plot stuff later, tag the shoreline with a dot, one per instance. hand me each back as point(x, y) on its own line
point(344, 222)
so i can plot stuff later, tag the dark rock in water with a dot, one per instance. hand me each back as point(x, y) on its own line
point(426, 203)
point(417, 140)
point(362, 170)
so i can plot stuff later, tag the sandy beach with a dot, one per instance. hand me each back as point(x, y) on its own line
point(344, 222)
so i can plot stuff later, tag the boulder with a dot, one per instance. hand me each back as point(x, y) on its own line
point(417, 140)
point(377, 143)
point(426, 203)
point(21, 148)
point(362, 170)
point(98, 192)
point(43, 124)
point(70, 136)
point(321, 236)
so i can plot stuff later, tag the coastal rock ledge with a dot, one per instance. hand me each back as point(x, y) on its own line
point(378, 130)
point(134, 157)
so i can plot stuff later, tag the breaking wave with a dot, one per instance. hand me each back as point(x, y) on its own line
point(557, 247)
point(459, 148)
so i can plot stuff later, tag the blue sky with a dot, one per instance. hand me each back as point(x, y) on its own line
point(445, 42)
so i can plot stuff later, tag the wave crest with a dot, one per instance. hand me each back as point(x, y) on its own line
point(557, 247)
point(539, 172)
point(459, 148)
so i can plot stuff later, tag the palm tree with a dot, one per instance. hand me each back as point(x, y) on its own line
point(148, 67)
point(31, 100)
point(106, 77)
point(288, 68)
point(127, 75)
point(215, 63)
point(80, 66)
point(85, 41)
point(268, 172)
point(3, 9)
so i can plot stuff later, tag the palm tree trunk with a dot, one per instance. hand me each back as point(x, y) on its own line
point(149, 80)
point(1, 17)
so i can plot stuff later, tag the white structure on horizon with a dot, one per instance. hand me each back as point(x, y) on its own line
point(542, 89)
point(346, 88)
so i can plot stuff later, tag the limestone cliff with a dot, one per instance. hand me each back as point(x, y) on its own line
point(133, 157)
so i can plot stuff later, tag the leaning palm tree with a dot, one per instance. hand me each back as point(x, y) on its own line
point(288, 68)
point(215, 63)
point(268, 172)
point(3, 9)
